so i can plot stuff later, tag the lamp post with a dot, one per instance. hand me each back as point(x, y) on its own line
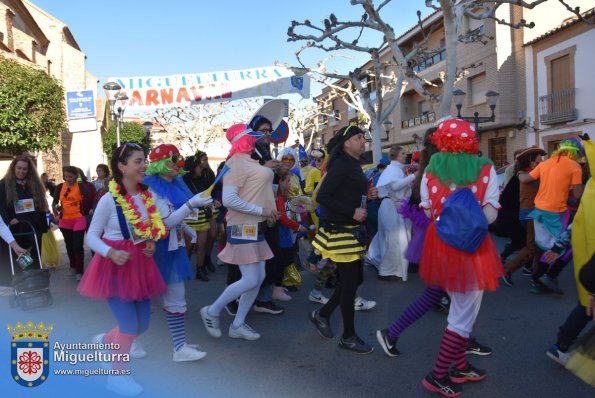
point(387, 126)
point(147, 126)
point(117, 102)
point(491, 99)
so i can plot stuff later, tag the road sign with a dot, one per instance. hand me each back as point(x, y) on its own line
point(280, 135)
point(80, 104)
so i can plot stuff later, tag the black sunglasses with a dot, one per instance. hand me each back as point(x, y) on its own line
point(67, 192)
point(129, 144)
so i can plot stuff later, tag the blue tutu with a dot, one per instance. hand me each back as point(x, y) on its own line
point(174, 265)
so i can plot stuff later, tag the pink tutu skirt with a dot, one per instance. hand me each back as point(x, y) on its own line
point(456, 270)
point(138, 279)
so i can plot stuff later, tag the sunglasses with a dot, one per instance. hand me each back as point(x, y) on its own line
point(175, 158)
point(266, 131)
point(67, 192)
point(131, 145)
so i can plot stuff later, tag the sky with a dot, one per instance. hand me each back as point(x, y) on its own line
point(157, 38)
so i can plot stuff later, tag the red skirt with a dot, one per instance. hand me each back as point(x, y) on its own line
point(456, 270)
point(138, 279)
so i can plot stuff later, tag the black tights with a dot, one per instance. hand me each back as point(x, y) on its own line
point(74, 240)
point(351, 275)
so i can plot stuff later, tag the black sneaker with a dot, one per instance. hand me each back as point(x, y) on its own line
point(477, 349)
point(470, 373)
point(507, 279)
point(444, 386)
point(388, 346)
point(267, 307)
point(201, 274)
point(443, 305)
point(552, 284)
point(232, 308)
point(355, 344)
point(322, 324)
point(527, 270)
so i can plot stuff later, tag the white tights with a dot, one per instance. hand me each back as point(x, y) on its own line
point(246, 288)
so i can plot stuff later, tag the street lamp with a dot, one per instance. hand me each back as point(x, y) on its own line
point(491, 99)
point(147, 126)
point(117, 101)
point(387, 126)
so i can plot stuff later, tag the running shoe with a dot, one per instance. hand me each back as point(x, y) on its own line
point(470, 373)
point(476, 348)
point(444, 386)
point(322, 324)
point(557, 355)
point(389, 347)
point(317, 298)
point(267, 307)
point(361, 304)
point(355, 344)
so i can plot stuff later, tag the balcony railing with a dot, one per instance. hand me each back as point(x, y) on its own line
point(429, 117)
point(558, 107)
point(426, 63)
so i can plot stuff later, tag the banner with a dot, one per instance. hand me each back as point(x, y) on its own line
point(201, 88)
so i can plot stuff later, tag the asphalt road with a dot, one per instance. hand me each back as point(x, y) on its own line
point(292, 360)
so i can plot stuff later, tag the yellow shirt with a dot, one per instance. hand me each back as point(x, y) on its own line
point(312, 180)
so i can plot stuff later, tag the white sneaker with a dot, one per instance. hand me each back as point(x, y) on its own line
point(188, 353)
point(243, 332)
point(362, 304)
point(211, 322)
point(137, 350)
point(123, 385)
point(317, 298)
point(280, 294)
point(79, 277)
point(98, 339)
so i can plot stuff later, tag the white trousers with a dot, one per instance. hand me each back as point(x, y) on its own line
point(174, 300)
point(463, 311)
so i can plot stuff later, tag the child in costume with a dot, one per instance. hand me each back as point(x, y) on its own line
point(463, 265)
point(122, 234)
point(175, 202)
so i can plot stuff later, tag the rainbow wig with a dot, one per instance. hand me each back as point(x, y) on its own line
point(570, 147)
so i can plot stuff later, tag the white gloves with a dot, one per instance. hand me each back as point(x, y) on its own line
point(199, 201)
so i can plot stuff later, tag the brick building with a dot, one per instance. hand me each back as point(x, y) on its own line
point(33, 37)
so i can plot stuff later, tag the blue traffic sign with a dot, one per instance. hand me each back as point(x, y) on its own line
point(80, 104)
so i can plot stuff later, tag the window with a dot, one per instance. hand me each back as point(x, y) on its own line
point(423, 108)
point(477, 88)
point(475, 25)
point(553, 146)
point(497, 149)
point(336, 112)
point(560, 74)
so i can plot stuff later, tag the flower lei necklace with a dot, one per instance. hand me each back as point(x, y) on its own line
point(154, 229)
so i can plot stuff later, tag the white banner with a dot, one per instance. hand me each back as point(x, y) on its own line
point(201, 88)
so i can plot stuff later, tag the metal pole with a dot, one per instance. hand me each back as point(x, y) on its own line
point(118, 129)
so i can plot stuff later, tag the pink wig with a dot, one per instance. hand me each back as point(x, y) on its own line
point(244, 144)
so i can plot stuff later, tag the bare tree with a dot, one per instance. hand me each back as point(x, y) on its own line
point(331, 37)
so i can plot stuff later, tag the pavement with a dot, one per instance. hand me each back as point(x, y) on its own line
point(292, 360)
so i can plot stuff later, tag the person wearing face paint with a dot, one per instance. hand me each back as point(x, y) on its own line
point(22, 198)
point(175, 202)
point(122, 234)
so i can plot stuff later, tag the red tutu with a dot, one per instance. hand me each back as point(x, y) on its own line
point(456, 270)
point(138, 279)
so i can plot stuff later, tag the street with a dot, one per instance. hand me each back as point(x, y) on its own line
point(292, 360)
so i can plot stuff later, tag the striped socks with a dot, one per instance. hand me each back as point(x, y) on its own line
point(175, 323)
point(452, 350)
point(415, 310)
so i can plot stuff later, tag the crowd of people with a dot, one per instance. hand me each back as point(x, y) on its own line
point(153, 225)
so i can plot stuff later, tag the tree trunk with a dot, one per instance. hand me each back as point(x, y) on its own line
point(377, 141)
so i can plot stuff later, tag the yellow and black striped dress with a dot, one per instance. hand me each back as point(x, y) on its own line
point(203, 223)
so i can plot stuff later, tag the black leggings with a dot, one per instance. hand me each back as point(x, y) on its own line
point(350, 276)
point(73, 240)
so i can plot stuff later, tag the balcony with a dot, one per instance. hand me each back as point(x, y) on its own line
point(429, 117)
point(427, 62)
point(558, 107)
